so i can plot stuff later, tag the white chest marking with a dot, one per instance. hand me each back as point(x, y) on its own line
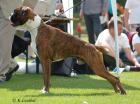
point(32, 27)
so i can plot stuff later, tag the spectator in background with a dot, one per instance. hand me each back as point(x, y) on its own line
point(107, 40)
point(59, 7)
point(136, 44)
point(132, 15)
point(92, 10)
point(59, 11)
point(120, 9)
point(110, 12)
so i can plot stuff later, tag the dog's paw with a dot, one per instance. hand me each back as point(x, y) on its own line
point(123, 92)
point(44, 91)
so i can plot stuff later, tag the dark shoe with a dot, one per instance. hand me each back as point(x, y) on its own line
point(2, 78)
point(9, 74)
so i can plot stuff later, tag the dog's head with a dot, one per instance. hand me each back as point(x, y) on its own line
point(21, 15)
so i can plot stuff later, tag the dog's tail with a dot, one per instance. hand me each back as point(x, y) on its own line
point(106, 57)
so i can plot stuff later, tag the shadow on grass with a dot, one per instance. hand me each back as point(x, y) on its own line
point(70, 94)
point(21, 82)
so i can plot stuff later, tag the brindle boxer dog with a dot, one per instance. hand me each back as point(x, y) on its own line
point(52, 43)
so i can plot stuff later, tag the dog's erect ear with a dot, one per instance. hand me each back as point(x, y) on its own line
point(24, 12)
point(25, 8)
point(28, 11)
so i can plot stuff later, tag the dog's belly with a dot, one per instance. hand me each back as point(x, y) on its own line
point(57, 58)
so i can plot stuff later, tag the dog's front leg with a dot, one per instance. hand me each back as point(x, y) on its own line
point(46, 65)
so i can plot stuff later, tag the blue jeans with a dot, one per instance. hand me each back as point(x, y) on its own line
point(93, 26)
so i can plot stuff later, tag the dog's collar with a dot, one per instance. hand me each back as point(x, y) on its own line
point(31, 24)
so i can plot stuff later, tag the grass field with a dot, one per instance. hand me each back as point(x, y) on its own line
point(84, 89)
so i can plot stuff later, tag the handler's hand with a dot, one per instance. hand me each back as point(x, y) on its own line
point(81, 14)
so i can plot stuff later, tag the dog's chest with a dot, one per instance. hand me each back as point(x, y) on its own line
point(34, 33)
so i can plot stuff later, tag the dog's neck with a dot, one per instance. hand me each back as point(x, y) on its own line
point(30, 25)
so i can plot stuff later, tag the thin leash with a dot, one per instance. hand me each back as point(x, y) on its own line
point(54, 17)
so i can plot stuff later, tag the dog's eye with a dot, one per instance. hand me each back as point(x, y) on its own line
point(23, 13)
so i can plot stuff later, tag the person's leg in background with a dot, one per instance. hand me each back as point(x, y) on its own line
point(96, 25)
point(89, 27)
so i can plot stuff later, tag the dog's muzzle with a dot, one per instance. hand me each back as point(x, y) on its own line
point(13, 21)
point(16, 20)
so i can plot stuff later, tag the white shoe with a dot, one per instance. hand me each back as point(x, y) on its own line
point(44, 91)
point(73, 74)
point(121, 70)
point(118, 70)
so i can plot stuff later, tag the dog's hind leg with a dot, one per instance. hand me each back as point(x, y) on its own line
point(97, 65)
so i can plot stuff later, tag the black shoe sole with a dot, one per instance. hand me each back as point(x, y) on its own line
point(9, 74)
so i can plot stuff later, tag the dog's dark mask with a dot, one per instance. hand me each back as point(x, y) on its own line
point(20, 16)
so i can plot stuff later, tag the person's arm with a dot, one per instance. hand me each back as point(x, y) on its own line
point(137, 48)
point(129, 54)
point(126, 17)
point(111, 52)
point(136, 43)
point(81, 14)
point(120, 8)
point(131, 57)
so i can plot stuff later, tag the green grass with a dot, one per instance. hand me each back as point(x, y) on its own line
point(85, 89)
